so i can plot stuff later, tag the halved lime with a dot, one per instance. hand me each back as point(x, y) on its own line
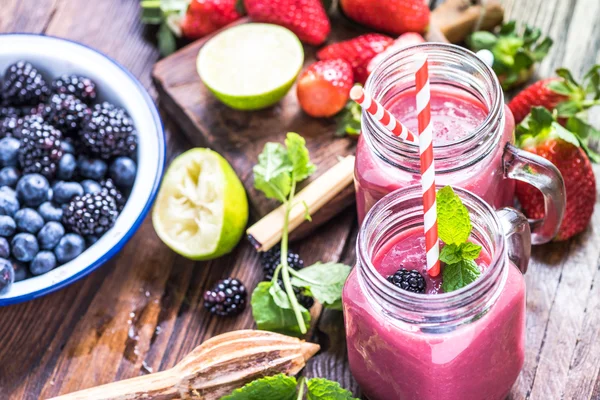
point(251, 66)
point(201, 210)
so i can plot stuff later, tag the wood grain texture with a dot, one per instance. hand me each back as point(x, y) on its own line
point(143, 312)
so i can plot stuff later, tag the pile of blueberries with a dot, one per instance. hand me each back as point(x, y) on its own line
point(67, 165)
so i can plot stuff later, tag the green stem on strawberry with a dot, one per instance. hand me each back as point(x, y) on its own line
point(301, 387)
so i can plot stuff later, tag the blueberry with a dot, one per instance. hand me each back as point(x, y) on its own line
point(90, 240)
point(24, 246)
point(50, 212)
point(9, 176)
point(21, 270)
point(9, 151)
point(7, 275)
point(69, 247)
point(43, 262)
point(92, 168)
point(122, 171)
point(67, 147)
point(4, 248)
point(90, 186)
point(28, 220)
point(49, 236)
point(65, 191)
point(7, 226)
point(32, 189)
point(8, 201)
point(66, 167)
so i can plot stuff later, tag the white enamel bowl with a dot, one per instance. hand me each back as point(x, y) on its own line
point(54, 57)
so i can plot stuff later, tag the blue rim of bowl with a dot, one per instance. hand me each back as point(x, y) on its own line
point(153, 193)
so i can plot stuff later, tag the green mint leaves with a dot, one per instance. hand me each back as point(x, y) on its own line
point(324, 282)
point(275, 307)
point(271, 306)
point(272, 310)
point(278, 387)
point(454, 228)
point(280, 167)
point(283, 387)
point(459, 275)
point(454, 224)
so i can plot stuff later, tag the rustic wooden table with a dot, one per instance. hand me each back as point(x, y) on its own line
point(142, 311)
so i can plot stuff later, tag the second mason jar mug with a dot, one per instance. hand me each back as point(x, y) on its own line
point(467, 344)
point(473, 136)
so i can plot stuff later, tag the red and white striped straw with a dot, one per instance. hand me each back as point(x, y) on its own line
point(427, 166)
point(381, 114)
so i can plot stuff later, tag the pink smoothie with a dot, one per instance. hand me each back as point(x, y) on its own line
point(455, 115)
point(390, 359)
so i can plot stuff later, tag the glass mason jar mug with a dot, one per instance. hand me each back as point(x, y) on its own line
point(467, 344)
point(473, 136)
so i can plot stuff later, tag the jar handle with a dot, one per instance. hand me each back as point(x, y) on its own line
point(542, 174)
point(518, 236)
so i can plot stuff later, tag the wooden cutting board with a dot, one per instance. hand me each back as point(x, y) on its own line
point(241, 135)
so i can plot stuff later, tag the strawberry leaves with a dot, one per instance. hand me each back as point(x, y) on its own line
point(580, 96)
point(515, 52)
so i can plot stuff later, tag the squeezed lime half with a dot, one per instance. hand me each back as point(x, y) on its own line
point(251, 66)
point(201, 209)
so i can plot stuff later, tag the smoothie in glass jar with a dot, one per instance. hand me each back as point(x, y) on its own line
point(463, 345)
point(472, 135)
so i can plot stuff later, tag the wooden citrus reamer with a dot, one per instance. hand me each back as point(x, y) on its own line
point(212, 370)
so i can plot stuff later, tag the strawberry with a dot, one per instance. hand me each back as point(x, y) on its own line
point(358, 52)
point(206, 16)
point(392, 16)
point(405, 40)
point(306, 18)
point(515, 53)
point(324, 87)
point(541, 134)
point(564, 94)
point(191, 19)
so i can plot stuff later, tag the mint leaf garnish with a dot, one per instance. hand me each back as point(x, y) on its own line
point(302, 168)
point(323, 389)
point(278, 171)
point(272, 174)
point(269, 315)
point(278, 387)
point(324, 281)
point(454, 224)
point(470, 251)
point(460, 274)
point(283, 387)
point(454, 227)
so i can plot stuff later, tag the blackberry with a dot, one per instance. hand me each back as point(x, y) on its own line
point(108, 131)
point(79, 86)
point(9, 112)
point(24, 85)
point(40, 149)
point(272, 258)
point(411, 281)
point(227, 298)
point(304, 300)
point(65, 112)
point(90, 214)
point(109, 187)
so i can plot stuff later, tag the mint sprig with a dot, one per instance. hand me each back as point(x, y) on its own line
point(279, 169)
point(454, 229)
point(283, 387)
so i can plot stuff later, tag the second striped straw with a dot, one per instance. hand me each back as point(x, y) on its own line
point(427, 166)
